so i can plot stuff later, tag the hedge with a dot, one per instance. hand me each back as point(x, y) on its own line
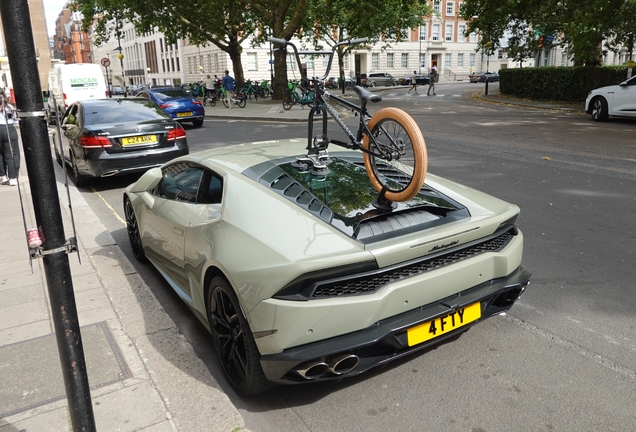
point(563, 83)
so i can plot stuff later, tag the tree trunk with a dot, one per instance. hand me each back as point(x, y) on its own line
point(280, 75)
point(234, 50)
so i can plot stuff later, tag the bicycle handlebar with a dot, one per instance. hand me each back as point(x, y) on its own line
point(303, 74)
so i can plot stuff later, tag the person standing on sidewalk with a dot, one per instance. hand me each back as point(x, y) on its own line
point(432, 79)
point(413, 83)
point(228, 85)
point(9, 144)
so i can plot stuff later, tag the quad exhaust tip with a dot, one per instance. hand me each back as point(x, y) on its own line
point(313, 370)
point(344, 364)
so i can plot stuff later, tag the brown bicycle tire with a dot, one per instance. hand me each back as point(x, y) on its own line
point(420, 157)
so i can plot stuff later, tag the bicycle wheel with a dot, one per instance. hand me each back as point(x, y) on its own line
point(404, 170)
point(241, 101)
point(213, 100)
point(288, 102)
point(205, 100)
point(226, 102)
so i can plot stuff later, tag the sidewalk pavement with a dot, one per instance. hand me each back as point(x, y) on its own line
point(143, 373)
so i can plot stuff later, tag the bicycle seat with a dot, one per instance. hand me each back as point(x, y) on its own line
point(366, 95)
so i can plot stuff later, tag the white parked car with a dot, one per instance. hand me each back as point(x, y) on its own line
point(616, 100)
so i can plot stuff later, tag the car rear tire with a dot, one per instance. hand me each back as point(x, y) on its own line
point(599, 109)
point(233, 340)
point(133, 231)
point(197, 123)
point(79, 179)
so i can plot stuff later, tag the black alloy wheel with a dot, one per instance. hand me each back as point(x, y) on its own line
point(599, 109)
point(79, 179)
point(233, 341)
point(133, 231)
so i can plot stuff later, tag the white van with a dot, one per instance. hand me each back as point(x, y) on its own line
point(73, 82)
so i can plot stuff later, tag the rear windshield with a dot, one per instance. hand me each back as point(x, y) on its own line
point(109, 111)
point(170, 94)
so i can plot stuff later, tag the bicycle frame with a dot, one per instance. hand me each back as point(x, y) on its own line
point(317, 144)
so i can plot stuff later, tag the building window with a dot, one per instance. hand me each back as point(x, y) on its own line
point(449, 33)
point(216, 62)
point(450, 8)
point(405, 60)
point(291, 62)
point(436, 29)
point(423, 32)
point(447, 60)
point(161, 44)
point(473, 37)
point(163, 65)
point(178, 65)
point(325, 62)
point(389, 61)
point(252, 59)
point(375, 61)
point(345, 62)
point(422, 60)
point(471, 61)
point(461, 33)
point(172, 62)
point(437, 6)
point(460, 60)
point(459, 7)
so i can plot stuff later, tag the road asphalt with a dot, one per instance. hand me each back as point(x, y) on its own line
point(144, 375)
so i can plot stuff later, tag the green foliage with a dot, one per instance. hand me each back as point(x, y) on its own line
point(568, 84)
point(586, 28)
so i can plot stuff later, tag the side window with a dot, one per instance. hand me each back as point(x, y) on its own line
point(144, 95)
point(71, 115)
point(211, 191)
point(180, 182)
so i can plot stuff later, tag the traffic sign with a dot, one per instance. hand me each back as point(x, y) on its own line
point(105, 62)
point(271, 62)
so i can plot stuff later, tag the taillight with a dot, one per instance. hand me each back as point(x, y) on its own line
point(197, 102)
point(95, 142)
point(176, 133)
point(165, 105)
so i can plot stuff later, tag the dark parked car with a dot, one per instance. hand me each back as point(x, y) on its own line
point(419, 80)
point(107, 137)
point(178, 103)
point(481, 77)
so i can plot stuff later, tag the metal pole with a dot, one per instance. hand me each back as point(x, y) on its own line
point(16, 21)
point(419, 58)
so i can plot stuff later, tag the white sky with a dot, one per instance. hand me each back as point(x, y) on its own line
point(52, 9)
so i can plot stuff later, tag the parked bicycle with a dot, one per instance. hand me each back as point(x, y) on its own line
point(239, 98)
point(297, 94)
point(211, 95)
point(394, 150)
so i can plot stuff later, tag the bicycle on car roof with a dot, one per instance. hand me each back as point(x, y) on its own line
point(394, 150)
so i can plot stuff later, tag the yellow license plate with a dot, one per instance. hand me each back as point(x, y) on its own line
point(443, 324)
point(184, 114)
point(145, 139)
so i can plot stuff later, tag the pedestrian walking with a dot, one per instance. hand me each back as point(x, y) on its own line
point(432, 79)
point(413, 83)
point(9, 144)
point(228, 85)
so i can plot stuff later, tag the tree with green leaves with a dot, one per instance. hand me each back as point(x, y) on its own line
point(385, 21)
point(585, 27)
point(224, 23)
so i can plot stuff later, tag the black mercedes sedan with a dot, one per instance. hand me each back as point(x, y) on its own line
point(108, 137)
